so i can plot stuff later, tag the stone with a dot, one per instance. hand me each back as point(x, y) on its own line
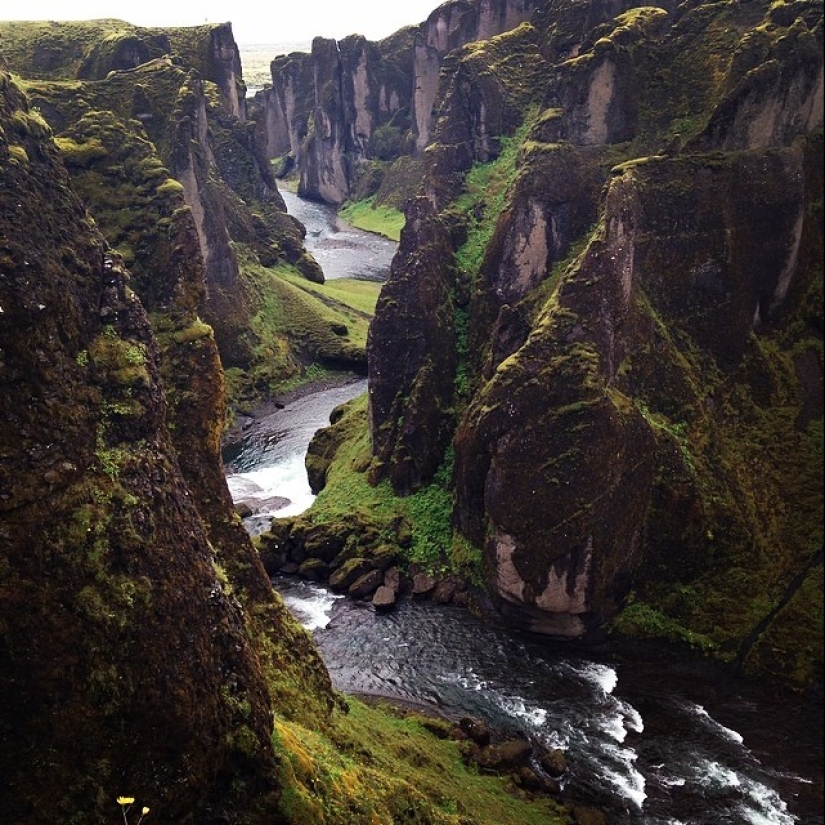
point(314, 570)
point(348, 572)
point(554, 762)
point(528, 779)
point(423, 585)
point(506, 756)
point(366, 584)
point(475, 729)
point(445, 590)
point(383, 557)
point(392, 579)
point(587, 815)
point(384, 599)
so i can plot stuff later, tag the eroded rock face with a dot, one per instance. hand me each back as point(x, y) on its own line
point(412, 355)
point(157, 196)
point(190, 106)
point(331, 112)
point(449, 27)
point(615, 401)
point(92, 49)
point(123, 656)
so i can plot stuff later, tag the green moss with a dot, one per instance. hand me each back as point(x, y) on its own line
point(119, 361)
point(81, 153)
point(486, 188)
point(349, 496)
point(640, 620)
point(170, 186)
point(30, 124)
point(18, 155)
point(195, 331)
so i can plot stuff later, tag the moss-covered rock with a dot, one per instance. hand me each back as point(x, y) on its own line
point(181, 145)
point(411, 398)
point(632, 311)
point(103, 550)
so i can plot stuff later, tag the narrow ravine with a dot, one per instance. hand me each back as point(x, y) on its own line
point(653, 741)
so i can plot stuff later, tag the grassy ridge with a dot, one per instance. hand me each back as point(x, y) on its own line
point(382, 220)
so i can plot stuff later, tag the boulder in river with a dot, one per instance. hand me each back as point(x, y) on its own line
point(384, 599)
point(349, 571)
point(365, 585)
point(423, 585)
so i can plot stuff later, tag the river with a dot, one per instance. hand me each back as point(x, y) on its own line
point(655, 741)
point(342, 251)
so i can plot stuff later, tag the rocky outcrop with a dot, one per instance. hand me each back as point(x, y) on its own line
point(636, 283)
point(90, 50)
point(349, 106)
point(104, 550)
point(414, 392)
point(212, 165)
point(180, 135)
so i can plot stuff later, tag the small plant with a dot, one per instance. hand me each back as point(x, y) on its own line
point(126, 803)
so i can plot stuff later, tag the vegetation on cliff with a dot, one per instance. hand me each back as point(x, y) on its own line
point(634, 309)
point(160, 137)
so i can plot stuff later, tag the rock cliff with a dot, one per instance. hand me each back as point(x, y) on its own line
point(342, 113)
point(143, 652)
point(145, 660)
point(632, 316)
point(180, 96)
point(113, 537)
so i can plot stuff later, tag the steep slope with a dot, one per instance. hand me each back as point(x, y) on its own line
point(629, 329)
point(341, 114)
point(180, 97)
point(103, 550)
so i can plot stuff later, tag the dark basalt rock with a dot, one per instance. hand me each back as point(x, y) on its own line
point(365, 585)
point(111, 553)
point(348, 573)
point(384, 599)
point(341, 113)
point(611, 409)
point(554, 763)
point(411, 396)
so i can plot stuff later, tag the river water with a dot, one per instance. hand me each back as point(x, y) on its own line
point(653, 741)
point(342, 251)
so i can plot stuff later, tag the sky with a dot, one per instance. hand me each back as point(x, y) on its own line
point(270, 21)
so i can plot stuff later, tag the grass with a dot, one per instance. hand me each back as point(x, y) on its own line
point(488, 184)
point(378, 765)
point(357, 295)
point(349, 496)
point(297, 324)
point(640, 619)
point(382, 220)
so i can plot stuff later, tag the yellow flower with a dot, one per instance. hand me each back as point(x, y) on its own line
point(125, 800)
point(145, 811)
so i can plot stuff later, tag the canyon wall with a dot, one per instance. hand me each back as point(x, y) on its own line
point(627, 336)
point(114, 535)
point(340, 114)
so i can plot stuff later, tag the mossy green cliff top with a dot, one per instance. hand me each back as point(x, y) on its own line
point(158, 141)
